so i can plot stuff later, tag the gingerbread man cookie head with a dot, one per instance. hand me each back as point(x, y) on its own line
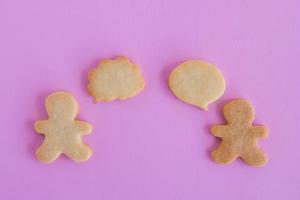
point(239, 112)
point(61, 106)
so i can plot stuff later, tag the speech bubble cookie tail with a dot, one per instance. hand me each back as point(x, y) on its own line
point(203, 106)
point(96, 100)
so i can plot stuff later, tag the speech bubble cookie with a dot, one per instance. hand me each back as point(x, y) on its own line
point(115, 79)
point(197, 82)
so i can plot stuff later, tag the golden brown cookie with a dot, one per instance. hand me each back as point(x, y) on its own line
point(63, 134)
point(239, 136)
point(115, 79)
point(197, 82)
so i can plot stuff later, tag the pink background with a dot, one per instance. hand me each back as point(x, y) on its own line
point(152, 147)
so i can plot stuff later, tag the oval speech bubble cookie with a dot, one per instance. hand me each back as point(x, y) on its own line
point(115, 79)
point(197, 82)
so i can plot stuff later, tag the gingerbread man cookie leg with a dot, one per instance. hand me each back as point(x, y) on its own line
point(256, 157)
point(239, 136)
point(82, 153)
point(62, 132)
point(223, 154)
point(45, 152)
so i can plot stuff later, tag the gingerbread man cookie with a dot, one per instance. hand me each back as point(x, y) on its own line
point(239, 136)
point(62, 132)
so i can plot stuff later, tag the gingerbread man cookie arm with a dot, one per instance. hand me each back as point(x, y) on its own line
point(41, 126)
point(259, 131)
point(83, 127)
point(218, 130)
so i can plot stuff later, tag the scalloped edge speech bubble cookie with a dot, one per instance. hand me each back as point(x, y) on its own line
point(115, 79)
point(197, 82)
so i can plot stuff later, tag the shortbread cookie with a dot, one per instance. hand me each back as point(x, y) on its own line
point(115, 79)
point(239, 136)
point(197, 82)
point(62, 132)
